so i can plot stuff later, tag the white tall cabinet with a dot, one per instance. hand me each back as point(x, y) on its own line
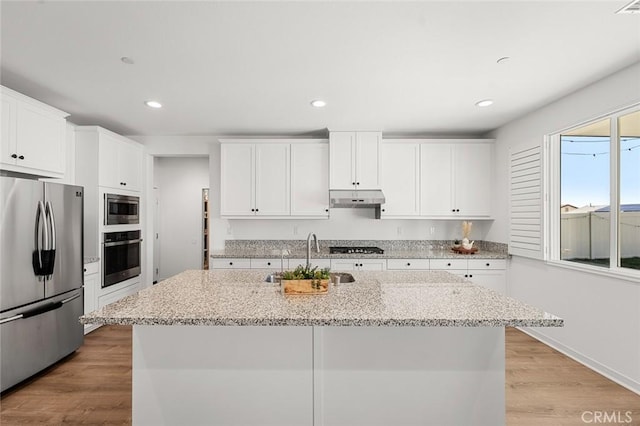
point(355, 160)
point(33, 136)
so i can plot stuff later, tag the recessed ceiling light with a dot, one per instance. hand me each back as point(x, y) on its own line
point(127, 60)
point(503, 60)
point(153, 104)
point(484, 103)
point(318, 103)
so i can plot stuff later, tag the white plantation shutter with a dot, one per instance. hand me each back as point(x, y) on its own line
point(525, 203)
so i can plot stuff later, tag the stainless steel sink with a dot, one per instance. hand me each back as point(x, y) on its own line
point(344, 277)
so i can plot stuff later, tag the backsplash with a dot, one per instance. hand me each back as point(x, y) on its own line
point(418, 245)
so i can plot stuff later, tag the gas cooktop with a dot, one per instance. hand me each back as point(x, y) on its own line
point(356, 250)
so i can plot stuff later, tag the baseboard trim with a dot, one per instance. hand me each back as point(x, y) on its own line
point(90, 327)
point(594, 365)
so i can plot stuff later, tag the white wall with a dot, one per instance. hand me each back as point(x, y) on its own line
point(602, 314)
point(180, 182)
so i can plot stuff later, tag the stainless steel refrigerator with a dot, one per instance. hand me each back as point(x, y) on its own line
point(41, 275)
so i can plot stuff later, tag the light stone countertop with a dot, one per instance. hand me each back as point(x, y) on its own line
point(242, 298)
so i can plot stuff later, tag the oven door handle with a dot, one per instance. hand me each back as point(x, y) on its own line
point(122, 243)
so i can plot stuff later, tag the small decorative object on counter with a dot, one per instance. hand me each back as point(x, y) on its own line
point(305, 280)
point(466, 246)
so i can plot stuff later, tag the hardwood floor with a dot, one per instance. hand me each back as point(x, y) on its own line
point(93, 387)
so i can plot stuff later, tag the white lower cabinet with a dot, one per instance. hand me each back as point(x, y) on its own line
point(358, 264)
point(408, 264)
point(489, 273)
point(91, 288)
point(320, 263)
point(228, 263)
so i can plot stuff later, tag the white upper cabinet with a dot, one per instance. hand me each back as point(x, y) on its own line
point(237, 177)
point(255, 179)
point(355, 160)
point(272, 180)
point(116, 161)
point(456, 179)
point(436, 193)
point(33, 136)
point(400, 175)
point(310, 179)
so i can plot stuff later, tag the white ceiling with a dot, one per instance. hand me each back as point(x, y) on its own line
point(251, 68)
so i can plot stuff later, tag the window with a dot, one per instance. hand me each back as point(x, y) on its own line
point(593, 167)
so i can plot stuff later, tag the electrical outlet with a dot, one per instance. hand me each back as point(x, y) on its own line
point(432, 230)
point(295, 230)
point(399, 230)
point(229, 230)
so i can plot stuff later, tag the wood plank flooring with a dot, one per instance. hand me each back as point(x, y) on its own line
point(93, 387)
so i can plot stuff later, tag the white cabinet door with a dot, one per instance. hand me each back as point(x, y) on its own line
point(109, 170)
point(130, 166)
point(272, 190)
point(401, 179)
point(237, 190)
point(368, 160)
point(310, 179)
point(344, 264)
point(436, 186)
point(472, 176)
point(358, 264)
point(373, 265)
point(41, 139)
point(8, 148)
point(342, 151)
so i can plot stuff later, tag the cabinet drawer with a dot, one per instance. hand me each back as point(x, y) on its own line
point(230, 264)
point(448, 263)
point(268, 263)
point(408, 264)
point(91, 268)
point(487, 264)
point(320, 263)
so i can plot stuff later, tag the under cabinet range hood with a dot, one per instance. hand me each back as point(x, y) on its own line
point(366, 198)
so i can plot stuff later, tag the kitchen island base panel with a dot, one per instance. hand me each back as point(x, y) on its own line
point(321, 376)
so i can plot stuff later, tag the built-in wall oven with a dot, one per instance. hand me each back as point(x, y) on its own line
point(121, 209)
point(120, 256)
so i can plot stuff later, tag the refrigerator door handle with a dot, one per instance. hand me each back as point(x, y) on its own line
point(52, 225)
point(44, 239)
point(70, 299)
point(13, 318)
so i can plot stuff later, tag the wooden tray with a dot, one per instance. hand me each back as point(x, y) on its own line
point(463, 250)
point(305, 286)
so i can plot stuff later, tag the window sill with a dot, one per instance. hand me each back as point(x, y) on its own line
point(632, 275)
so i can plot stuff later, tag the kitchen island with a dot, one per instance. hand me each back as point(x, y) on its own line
point(412, 348)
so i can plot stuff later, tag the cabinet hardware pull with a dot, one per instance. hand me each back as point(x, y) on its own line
point(383, 210)
point(357, 183)
point(408, 264)
point(353, 183)
point(14, 155)
point(268, 263)
point(470, 276)
point(256, 209)
point(326, 210)
point(21, 157)
point(253, 210)
point(453, 210)
point(457, 210)
point(448, 264)
point(230, 263)
point(487, 264)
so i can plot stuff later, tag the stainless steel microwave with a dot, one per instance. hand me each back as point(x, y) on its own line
point(121, 209)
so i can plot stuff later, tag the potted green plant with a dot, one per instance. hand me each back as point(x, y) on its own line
point(306, 280)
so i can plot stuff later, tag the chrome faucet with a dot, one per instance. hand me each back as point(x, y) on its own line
point(309, 247)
